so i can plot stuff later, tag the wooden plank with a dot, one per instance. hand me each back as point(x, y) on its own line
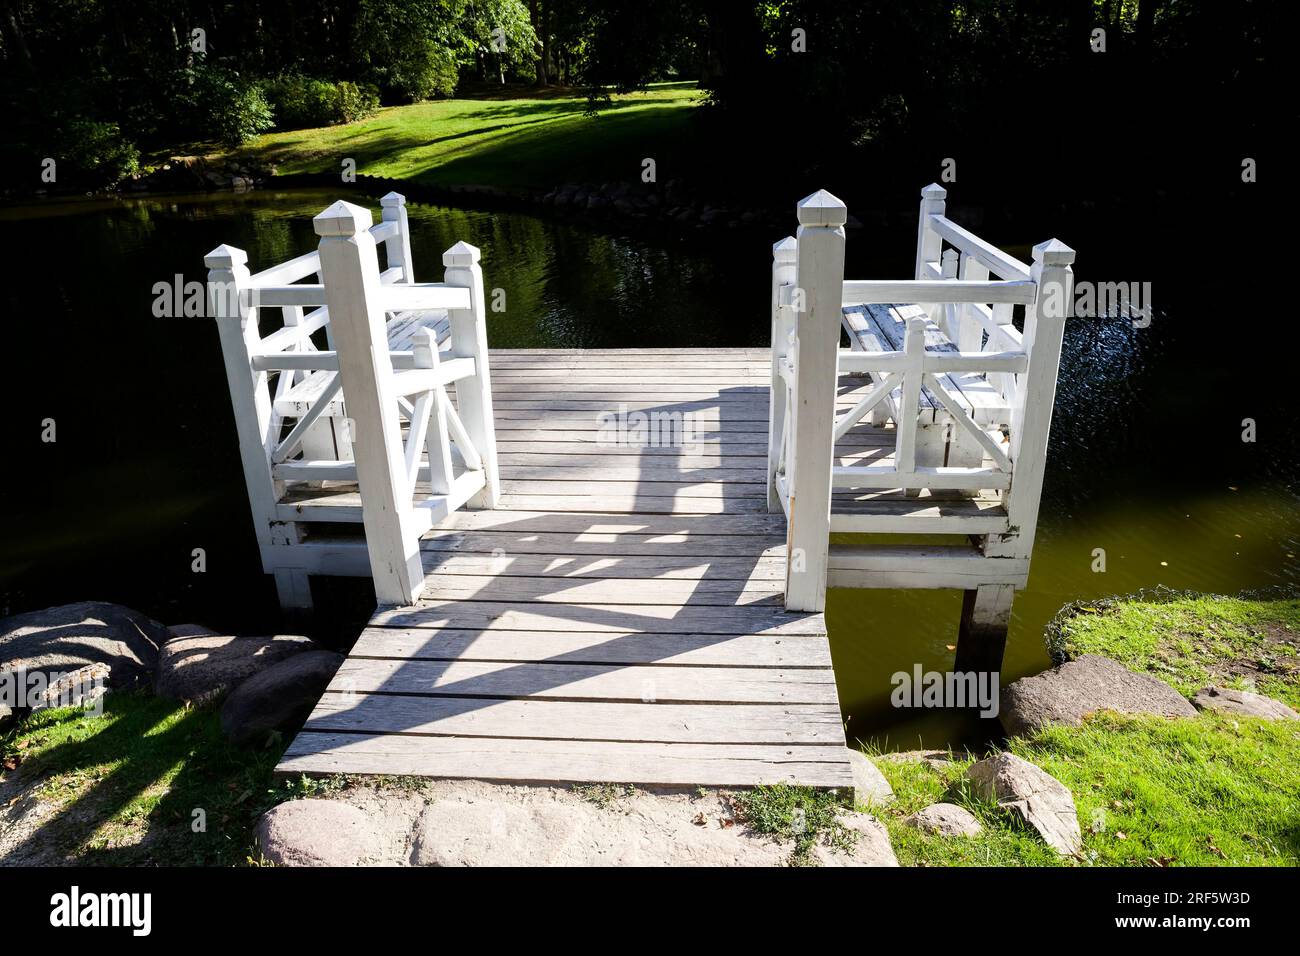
point(646, 683)
point(624, 504)
point(566, 567)
point(921, 566)
point(602, 647)
point(649, 618)
point(647, 764)
point(610, 590)
point(737, 448)
point(537, 719)
point(629, 524)
point(682, 547)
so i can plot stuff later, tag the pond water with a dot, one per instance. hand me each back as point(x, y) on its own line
point(1147, 460)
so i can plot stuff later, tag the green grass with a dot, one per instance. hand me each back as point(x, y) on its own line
point(1205, 791)
point(1191, 642)
point(507, 143)
point(124, 787)
point(800, 815)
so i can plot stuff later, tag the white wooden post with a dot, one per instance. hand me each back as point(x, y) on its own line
point(945, 313)
point(986, 611)
point(350, 274)
point(970, 334)
point(256, 424)
point(398, 247)
point(784, 254)
point(474, 394)
point(819, 293)
point(1031, 418)
point(929, 242)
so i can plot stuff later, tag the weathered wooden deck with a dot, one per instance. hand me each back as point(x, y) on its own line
point(618, 619)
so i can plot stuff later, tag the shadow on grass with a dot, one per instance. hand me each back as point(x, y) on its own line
point(150, 782)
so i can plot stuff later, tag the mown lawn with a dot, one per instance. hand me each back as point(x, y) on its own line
point(506, 143)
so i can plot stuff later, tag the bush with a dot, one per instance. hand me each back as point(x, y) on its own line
point(96, 152)
point(301, 102)
point(356, 102)
point(229, 108)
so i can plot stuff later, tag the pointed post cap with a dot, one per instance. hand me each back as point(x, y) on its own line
point(787, 250)
point(933, 191)
point(393, 199)
point(225, 257)
point(821, 209)
point(342, 219)
point(461, 254)
point(1053, 252)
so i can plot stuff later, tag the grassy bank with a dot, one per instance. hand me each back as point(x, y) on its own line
point(1191, 642)
point(152, 782)
point(506, 143)
point(1204, 791)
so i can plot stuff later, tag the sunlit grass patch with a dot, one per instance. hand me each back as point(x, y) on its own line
point(150, 781)
point(1191, 642)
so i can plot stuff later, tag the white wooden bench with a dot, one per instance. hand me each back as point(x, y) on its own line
point(939, 441)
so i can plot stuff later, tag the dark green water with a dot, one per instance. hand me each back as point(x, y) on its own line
point(1147, 460)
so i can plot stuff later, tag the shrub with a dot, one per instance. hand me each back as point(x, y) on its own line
point(356, 102)
point(301, 102)
point(229, 108)
point(97, 152)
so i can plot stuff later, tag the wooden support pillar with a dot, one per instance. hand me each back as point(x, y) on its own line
point(819, 290)
point(474, 394)
point(982, 638)
point(928, 242)
point(350, 274)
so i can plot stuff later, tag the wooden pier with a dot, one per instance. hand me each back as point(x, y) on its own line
point(619, 616)
point(611, 565)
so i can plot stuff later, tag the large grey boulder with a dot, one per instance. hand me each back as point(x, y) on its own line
point(61, 639)
point(945, 819)
point(203, 667)
point(1031, 794)
point(870, 788)
point(278, 698)
point(317, 833)
point(871, 844)
point(1066, 694)
point(1244, 703)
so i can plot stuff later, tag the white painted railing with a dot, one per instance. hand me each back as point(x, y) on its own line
point(974, 313)
point(347, 403)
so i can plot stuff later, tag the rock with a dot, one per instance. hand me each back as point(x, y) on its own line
point(189, 630)
point(934, 759)
point(60, 639)
point(1033, 795)
point(870, 788)
point(1244, 703)
point(204, 667)
point(81, 687)
point(1065, 694)
point(278, 698)
point(945, 819)
point(871, 845)
point(472, 824)
point(316, 833)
